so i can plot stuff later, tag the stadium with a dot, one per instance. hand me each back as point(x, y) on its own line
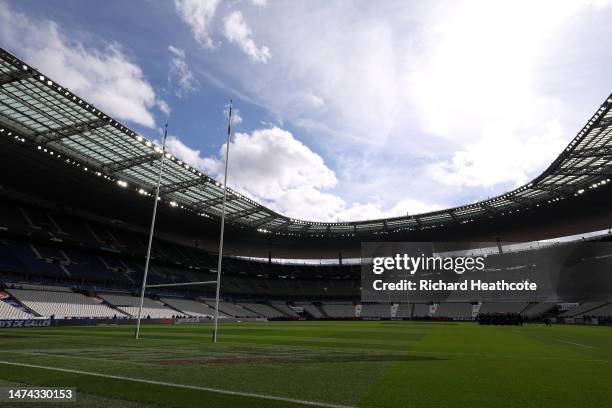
point(295, 324)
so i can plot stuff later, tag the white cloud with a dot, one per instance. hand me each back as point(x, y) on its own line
point(476, 88)
point(192, 156)
point(444, 88)
point(376, 211)
point(198, 15)
point(238, 32)
point(411, 207)
point(276, 169)
point(106, 76)
point(179, 71)
point(236, 116)
point(351, 71)
point(164, 107)
point(268, 162)
point(601, 4)
point(500, 157)
point(314, 100)
point(477, 68)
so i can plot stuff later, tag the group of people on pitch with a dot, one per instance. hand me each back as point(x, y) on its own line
point(500, 319)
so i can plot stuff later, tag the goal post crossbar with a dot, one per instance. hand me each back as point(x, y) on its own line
point(165, 285)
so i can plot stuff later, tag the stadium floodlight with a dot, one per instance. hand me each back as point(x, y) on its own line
point(148, 258)
point(219, 262)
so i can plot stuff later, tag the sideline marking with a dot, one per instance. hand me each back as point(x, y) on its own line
point(184, 386)
point(575, 344)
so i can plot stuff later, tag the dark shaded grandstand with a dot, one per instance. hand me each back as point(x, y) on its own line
point(76, 197)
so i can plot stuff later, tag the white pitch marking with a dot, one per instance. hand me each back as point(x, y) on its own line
point(184, 386)
point(575, 344)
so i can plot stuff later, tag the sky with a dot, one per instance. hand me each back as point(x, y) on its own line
point(343, 110)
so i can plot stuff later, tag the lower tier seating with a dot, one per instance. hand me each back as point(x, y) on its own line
point(150, 308)
point(62, 305)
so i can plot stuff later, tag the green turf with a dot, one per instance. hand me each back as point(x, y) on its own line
point(365, 364)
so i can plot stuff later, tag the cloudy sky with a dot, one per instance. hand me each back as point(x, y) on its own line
point(345, 109)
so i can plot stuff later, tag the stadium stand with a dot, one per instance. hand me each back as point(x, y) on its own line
point(455, 311)
point(150, 308)
point(234, 310)
point(535, 310)
point(339, 310)
point(503, 307)
point(285, 309)
point(61, 235)
point(421, 310)
point(375, 310)
point(51, 288)
point(263, 310)
point(404, 311)
point(603, 311)
point(312, 310)
point(62, 304)
point(9, 312)
point(583, 308)
point(190, 307)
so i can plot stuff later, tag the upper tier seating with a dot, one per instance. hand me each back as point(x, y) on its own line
point(11, 216)
point(35, 265)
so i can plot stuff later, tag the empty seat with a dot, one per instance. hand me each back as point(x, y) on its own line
point(339, 310)
point(190, 307)
point(8, 312)
point(461, 311)
point(130, 305)
point(376, 310)
point(234, 310)
point(263, 310)
point(62, 305)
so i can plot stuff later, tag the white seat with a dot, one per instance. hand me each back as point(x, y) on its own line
point(62, 304)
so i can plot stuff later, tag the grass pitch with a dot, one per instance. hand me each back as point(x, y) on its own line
point(360, 364)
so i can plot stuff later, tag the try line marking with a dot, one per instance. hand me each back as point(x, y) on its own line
point(184, 386)
point(575, 344)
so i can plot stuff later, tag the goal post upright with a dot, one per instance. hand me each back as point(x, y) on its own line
point(220, 260)
point(148, 258)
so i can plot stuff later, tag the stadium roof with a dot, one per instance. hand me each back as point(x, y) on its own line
point(37, 111)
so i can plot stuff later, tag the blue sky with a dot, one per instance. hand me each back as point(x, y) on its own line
point(347, 109)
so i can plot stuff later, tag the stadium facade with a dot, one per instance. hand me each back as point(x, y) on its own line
point(76, 197)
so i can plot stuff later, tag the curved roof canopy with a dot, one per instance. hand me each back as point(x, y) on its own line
point(38, 111)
